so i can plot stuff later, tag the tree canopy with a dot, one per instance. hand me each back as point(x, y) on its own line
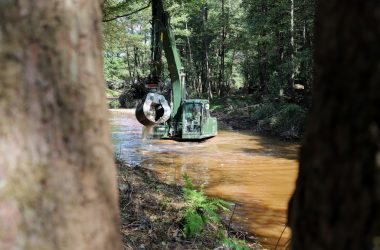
point(260, 47)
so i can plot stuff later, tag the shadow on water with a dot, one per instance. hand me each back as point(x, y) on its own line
point(257, 172)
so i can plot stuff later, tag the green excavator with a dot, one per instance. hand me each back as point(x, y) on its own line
point(179, 118)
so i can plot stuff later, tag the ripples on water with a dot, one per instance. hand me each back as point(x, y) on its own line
point(256, 172)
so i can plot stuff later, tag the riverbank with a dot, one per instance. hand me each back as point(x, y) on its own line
point(152, 216)
point(282, 120)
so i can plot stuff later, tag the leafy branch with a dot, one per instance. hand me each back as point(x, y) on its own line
point(128, 14)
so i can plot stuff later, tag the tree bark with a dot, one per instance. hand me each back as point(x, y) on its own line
point(130, 71)
point(57, 177)
point(206, 68)
point(222, 87)
point(337, 197)
point(292, 50)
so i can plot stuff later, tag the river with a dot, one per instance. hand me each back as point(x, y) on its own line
point(255, 172)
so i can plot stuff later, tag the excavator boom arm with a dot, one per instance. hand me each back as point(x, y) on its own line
point(163, 39)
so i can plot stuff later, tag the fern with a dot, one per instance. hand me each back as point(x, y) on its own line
point(193, 223)
point(200, 209)
point(188, 183)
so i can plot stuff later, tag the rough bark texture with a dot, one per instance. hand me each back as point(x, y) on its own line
point(336, 202)
point(57, 178)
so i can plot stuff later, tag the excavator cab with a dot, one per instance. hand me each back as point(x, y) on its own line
point(195, 123)
point(196, 120)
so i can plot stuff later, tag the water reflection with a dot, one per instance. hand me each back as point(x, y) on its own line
point(254, 171)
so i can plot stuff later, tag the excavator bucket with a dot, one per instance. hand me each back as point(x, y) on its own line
point(154, 109)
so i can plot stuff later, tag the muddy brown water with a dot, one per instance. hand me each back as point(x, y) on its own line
point(255, 172)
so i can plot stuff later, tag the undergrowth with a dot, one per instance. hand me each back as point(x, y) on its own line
point(286, 120)
point(263, 111)
point(202, 211)
point(277, 118)
point(114, 104)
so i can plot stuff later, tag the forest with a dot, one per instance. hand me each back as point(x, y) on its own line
point(253, 58)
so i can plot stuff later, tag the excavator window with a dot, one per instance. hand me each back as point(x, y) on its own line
point(193, 114)
point(205, 113)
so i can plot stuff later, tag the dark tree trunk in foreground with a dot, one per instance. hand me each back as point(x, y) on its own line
point(57, 178)
point(336, 202)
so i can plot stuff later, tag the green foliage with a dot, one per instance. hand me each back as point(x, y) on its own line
point(235, 244)
point(200, 209)
point(112, 93)
point(227, 48)
point(263, 111)
point(289, 119)
point(126, 43)
point(114, 104)
point(286, 120)
point(275, 54)
point(193, 223)
point(188, 184)
point(258, 54)
point(114, 71)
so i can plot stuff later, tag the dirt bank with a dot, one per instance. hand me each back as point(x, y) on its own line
point(152, 212)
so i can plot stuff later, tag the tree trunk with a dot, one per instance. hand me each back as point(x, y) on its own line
point(292, 50)
point(130, 71)
point(336, 201)
point(190, 65)
point(206, 68)
point(57, 177)
point(222, 87)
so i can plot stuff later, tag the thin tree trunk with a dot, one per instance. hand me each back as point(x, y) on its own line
point(206, 70)
point(336, 203)
point(292, 50)
point(190, 65)
point(189, 45)
point(131, 75)
point(57, 177)
point(231, 68)
point(136, 63)
point(222, 52)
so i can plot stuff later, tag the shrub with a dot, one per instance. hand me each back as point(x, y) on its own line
point(114, 104)
point(263, 111)
point(290, 119)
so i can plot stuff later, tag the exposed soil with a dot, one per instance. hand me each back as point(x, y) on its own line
point(152, 212)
